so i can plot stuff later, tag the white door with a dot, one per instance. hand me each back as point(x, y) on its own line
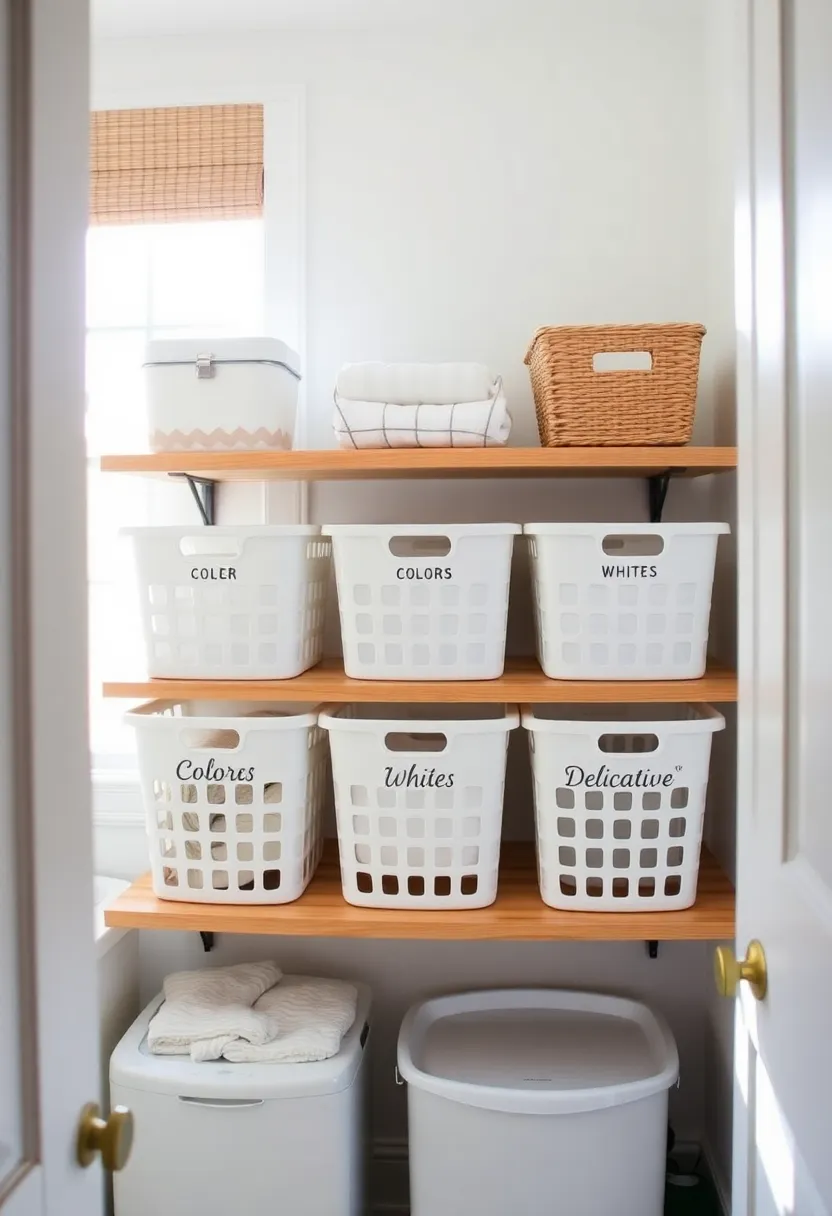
point(783, 1146)
point(48, 1006)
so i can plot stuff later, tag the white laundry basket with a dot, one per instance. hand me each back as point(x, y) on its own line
point(419, 802)
point(619, 795)
point(221, 394)
point(231, 603)
point(233, 797)
point(623, 601)
point(214, 1138)
point(423, 601)
point(536, 1101)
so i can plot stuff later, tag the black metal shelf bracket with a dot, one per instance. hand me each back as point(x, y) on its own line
point(204, 492)
point(657, 486)
point(208, 941)
point(652, 948)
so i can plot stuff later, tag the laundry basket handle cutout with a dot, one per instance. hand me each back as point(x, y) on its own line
point(617, 744)
point(224, 739)
point(415, 741)
point(648, 545)
point(210, 545)
point(420, 546)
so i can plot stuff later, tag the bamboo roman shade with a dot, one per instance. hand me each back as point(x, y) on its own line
point(188, 163)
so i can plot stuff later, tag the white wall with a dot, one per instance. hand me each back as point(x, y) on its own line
point(460, 192)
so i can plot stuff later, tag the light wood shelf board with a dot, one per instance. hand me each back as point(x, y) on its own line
point(519, 914)
point(522, 681)
point(328, 465)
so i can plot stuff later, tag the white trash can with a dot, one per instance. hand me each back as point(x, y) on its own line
point(231, 602)
point(419, 802)
point(233, 795)
point(218, 394)
point(623, 601)
point(218, 1138)
point(423, 601)
point(526, 1102)
point(619, 798)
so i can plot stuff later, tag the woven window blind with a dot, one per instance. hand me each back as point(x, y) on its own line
point(187, 163)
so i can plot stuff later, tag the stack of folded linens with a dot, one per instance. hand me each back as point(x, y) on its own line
point(420, 405)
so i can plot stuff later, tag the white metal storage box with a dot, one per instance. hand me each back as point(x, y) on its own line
point(419, 802)
point(423, 601)
point(231, 602)
point(535, 1101)
point(217, 394)
point(219, 1138)
point(623, 601)
point(233, 795)
point(619, 797)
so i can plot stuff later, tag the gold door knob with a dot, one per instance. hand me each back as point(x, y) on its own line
point(728, 972)
point(112, 1138)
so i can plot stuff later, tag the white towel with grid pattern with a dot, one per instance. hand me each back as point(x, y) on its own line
point(205, 1012)
point(313, 1016)
point(462, 424)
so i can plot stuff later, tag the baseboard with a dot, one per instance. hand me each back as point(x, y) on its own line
point(721, 1186)
point(389, 1179)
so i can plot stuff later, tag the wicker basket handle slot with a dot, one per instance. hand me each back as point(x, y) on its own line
point(605, 361)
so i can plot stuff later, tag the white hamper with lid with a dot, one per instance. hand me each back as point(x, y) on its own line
point(423, 601)
point(216, 1139)
point(419, 802)
point(619, 798)
point(233, 796)
point(623, 601)
point(216, 394)
point(231, 602)
point(534, 1101)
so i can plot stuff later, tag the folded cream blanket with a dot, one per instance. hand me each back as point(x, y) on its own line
point(414, 383)
point(205, 1012)
point(313, 1015)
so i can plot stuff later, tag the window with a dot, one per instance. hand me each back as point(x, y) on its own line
point(201, 280)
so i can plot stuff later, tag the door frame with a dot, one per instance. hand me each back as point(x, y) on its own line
point(48, 187)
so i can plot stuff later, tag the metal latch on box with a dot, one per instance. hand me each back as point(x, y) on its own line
point(204, 367)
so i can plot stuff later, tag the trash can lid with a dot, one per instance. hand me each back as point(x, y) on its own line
point(537, 1051)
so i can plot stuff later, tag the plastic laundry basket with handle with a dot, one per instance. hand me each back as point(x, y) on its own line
point(623, 601)
point(423, 601)
point(536, 1100)
point(233, 795)
point(232, 602)
point(419, 802)
point(619, 796)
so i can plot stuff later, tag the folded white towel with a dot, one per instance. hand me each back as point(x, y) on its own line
point(206, 1011)
point(313, 1016)
point(413, 383)
point(467, 424)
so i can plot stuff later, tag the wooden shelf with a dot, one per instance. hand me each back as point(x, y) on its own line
point(523, 681)
point(519, 914)
point(327, 465)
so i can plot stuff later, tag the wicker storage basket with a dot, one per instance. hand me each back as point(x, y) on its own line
point(578, 406)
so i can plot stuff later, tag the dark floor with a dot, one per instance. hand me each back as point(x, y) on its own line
point(692, 1201)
